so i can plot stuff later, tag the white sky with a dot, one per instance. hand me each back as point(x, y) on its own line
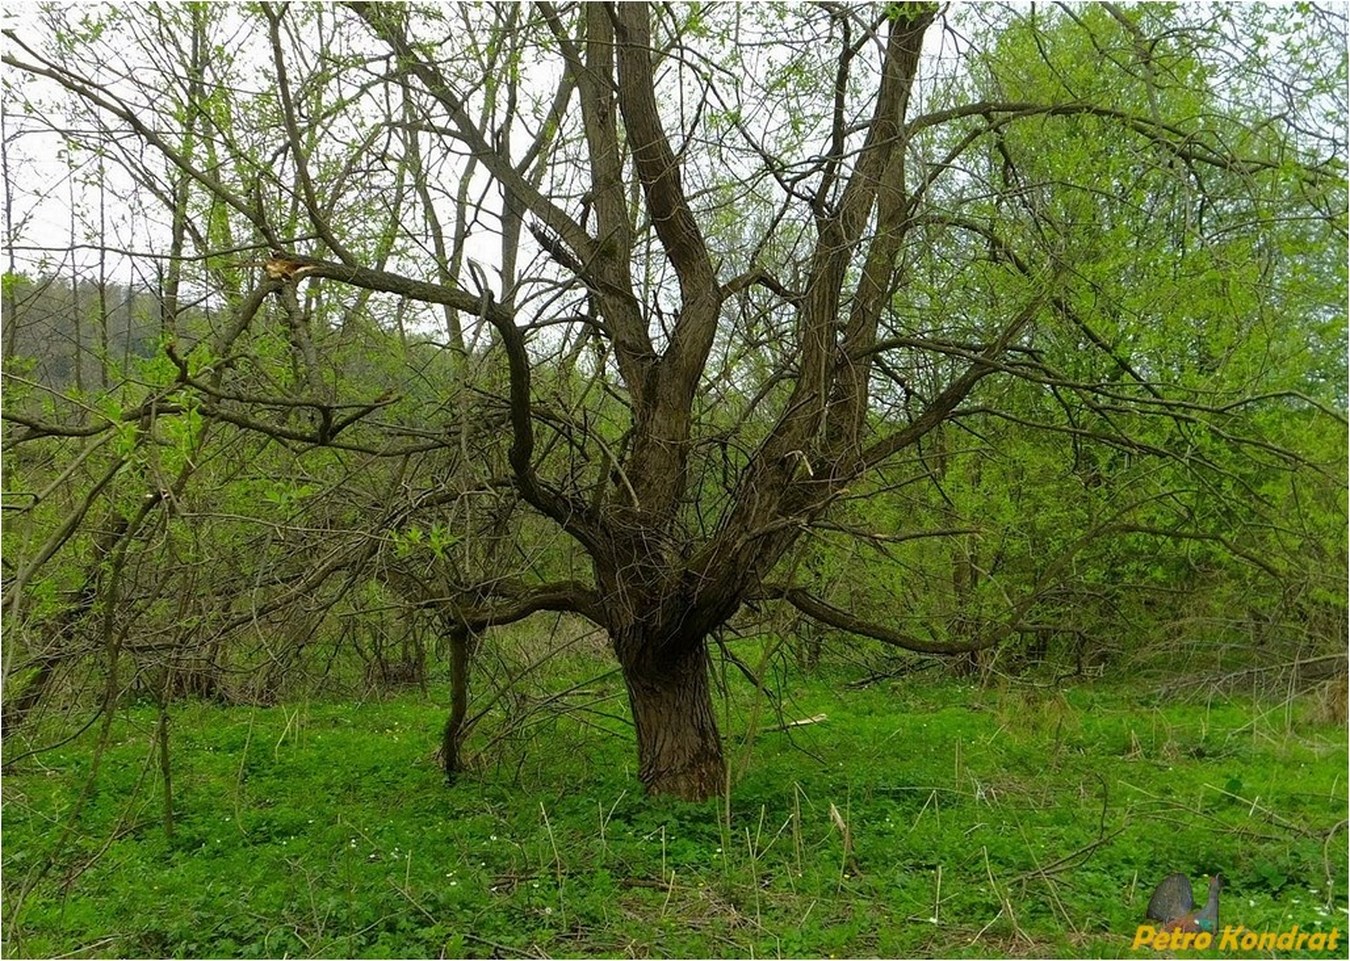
point(57, 191)
point(57, 194)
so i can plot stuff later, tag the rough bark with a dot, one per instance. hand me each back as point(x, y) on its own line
point(679, 747)
point(453, 735)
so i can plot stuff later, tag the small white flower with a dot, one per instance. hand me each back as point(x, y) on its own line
point(548, 910)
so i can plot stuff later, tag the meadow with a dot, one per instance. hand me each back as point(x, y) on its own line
point(911, 817)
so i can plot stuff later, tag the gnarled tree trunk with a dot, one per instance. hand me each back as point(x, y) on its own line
point(679, 747)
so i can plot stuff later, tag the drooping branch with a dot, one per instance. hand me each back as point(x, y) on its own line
point(571, 515)
point(58, 538)
point(1045, 582)
point(1182, 144)
point(826, 613)
point(40, 428)
point(1178, 534)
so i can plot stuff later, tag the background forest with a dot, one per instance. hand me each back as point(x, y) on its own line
point(831, 480)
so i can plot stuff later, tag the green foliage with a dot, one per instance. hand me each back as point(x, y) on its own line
point(1161, 490)
point(1069, 804)
point(908, 12)
point(436, 539)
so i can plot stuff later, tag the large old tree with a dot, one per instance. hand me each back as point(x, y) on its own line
point(720, 272)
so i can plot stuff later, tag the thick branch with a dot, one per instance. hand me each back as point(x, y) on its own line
point(817, 609)
point(608, 192)
point(658, 171)
point(297, 267)
point(572, 597)
point(769, 480)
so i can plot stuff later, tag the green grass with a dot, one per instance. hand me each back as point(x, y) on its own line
point(979, 823)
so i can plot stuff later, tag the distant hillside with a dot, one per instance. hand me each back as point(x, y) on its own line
point(82, 336)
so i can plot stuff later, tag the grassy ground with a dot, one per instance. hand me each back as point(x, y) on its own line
point(917, 819)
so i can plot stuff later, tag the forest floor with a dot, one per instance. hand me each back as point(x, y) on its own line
point(916, 818)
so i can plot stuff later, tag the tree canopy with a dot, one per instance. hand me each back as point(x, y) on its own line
point(943, 327)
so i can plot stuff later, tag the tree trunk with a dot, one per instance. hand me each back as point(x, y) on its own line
point(453, 735)
point(679, 748)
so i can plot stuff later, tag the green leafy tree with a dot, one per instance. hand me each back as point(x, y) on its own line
point(717, 274)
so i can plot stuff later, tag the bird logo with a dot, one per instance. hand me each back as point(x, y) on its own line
point(1173, 905)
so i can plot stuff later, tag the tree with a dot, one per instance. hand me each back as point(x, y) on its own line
point(787, 258)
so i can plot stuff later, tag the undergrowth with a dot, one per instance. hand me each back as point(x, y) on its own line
point(934, 820)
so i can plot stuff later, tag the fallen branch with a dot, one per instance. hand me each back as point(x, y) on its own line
point(813, 719)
